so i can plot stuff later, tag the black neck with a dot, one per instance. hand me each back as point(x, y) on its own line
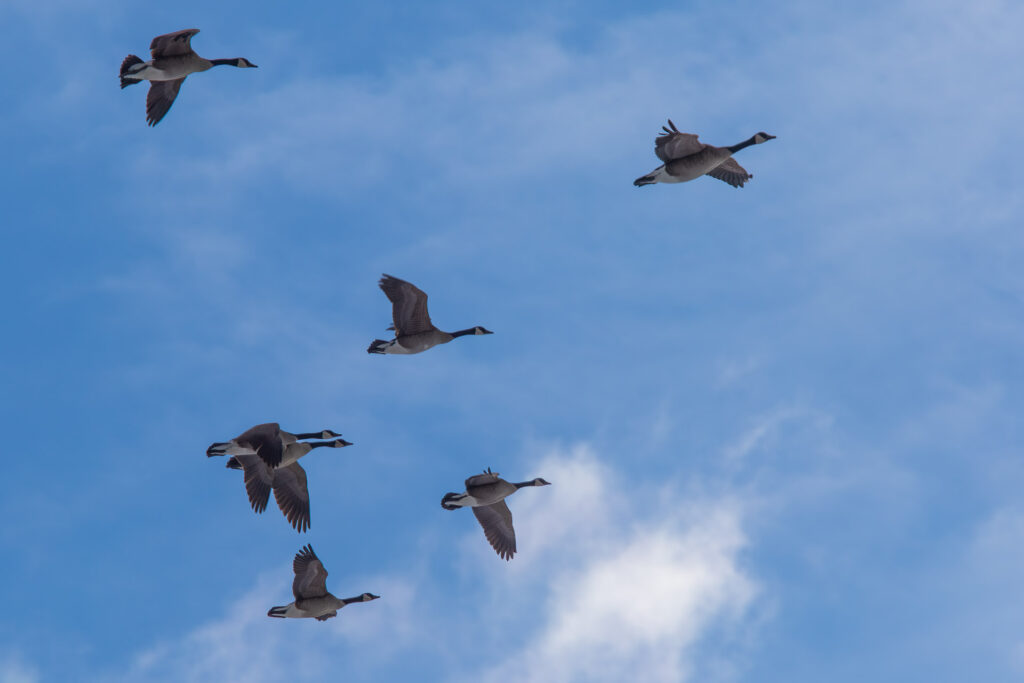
point(221, 62)
point(524, 483)
point(349, 601)
point(310, 435)
point(462, 333)
point(745, 143)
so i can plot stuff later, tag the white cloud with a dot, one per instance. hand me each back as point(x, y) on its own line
point(633, 577)
point(13, 669)
point(610, 583)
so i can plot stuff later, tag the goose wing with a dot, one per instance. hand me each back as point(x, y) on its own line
point(292, 495)
point(730, 172)
point(484, 479)
point(496, 519)
point(259, 480)
point(408, 306)
point(310, 575)
point(173, 44)
point(675, 145)
point(160, 98)
point(265, 439)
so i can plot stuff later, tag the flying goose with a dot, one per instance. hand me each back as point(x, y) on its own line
point(288, 481)
point(687, 158)
point(414, 332)
point(173, 60)
point(486, 494)
point(266, 440)
point(310, 590)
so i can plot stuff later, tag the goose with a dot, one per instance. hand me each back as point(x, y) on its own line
point(287, 481)
point(687, 158)
point(486, 494)
point(266, 440)
point(310, 589)
point(173, 60)
point(414, 333)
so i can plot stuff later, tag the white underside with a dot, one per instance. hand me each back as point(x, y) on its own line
point(150, 73)
point(394, 347)
point(293, 612)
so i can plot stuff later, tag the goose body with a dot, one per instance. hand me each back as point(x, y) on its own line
point(287, 479)
point(486, 494)
point(414, 332)
point(173, 60)
point(312, 601)
point(686, 158)
point(267, 440)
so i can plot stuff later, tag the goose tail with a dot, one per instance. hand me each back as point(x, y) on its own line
point(377, 346)
point(278, 612)
point(129, 62)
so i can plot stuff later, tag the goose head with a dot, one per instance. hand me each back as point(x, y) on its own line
point(339, 443)
point(244, 63)
point(762, 137)
point(329, 434)
point(541, 482)
point(481, 330)
point(366, 597)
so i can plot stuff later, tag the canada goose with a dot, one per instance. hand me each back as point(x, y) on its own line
point(310, 590)
point(486, 494)
point(414, 332)
point(288, 481)
point(687, 158)
point(173, 60)
point(266, 440)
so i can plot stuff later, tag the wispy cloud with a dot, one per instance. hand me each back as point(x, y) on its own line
point(14, 669)
point(609, 584)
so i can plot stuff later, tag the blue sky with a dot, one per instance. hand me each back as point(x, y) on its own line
point(781, 423)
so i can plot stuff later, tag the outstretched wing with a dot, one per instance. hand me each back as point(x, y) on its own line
point(259, 480)
point(408, 306)
point(496, 519)
point(310, 575)
point(160, 98)
point(730, 172)
point(675, 145)
point(292, 495)
point(173, 44)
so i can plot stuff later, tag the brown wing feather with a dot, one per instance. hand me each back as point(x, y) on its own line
point(160, 98)
point(172, 44)
point(265, 439)
point(481, 480)
point(674, 145)
point(259, 480)
point(496, 519)
point(310, 575)
point(292, 495)
point(408, 306)
point(731, 172)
